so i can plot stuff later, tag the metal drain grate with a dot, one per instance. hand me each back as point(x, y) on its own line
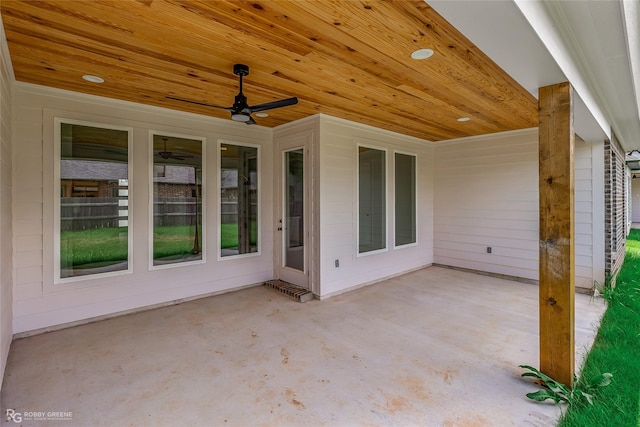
point(297, 293)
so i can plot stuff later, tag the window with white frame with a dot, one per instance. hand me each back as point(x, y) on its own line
point(238, 199)
point(92, 208)
point(372, 203)
point(177, 199)
point(405, 199)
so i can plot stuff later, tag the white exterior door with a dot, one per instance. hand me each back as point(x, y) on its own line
point(292, 237)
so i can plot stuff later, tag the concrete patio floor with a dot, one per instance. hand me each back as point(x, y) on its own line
point(435, 347)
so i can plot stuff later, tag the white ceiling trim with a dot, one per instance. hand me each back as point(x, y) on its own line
point(554, 35)
point(590, 42)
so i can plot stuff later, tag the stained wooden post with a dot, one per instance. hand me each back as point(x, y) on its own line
point(557, 265)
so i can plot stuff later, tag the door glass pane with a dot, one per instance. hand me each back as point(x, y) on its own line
point(238, 200)
point(177, 200)
point(94, 200)
point(294, 209)
point(372, 219)
point(405, 205)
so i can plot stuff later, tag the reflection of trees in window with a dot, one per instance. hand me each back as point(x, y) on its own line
point(177, 200)
point(238, 199)
point(94, 196)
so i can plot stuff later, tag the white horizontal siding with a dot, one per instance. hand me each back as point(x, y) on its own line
point(472, 194)
point(583, 219)
point(338, 207)
point(38, 303)
point(6, 201)
point(486, 195)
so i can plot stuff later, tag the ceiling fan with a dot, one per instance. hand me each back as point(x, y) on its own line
point(240, 110)
point(169, 154)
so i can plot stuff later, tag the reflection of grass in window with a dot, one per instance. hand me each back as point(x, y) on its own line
point(102, 246)
point(105, 246)
point(174, 240)
point(229, 235)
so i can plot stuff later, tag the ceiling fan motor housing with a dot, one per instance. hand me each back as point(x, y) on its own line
point(241, 70)
point(240, 110)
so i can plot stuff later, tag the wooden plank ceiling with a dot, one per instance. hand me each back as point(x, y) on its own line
point(349, 59)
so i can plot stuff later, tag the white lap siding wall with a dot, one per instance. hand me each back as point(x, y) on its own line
point(338, 157)
point(486, 196)
point(38, 302)
point(472, 194)
point(6, 200)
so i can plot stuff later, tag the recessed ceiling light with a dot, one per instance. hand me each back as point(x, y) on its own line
point(464, 119)
point(262, 114)
point(422, 54)
point(93, 79)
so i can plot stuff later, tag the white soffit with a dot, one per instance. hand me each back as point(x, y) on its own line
point(631, 12)
point(501, 31)
point(592, 46)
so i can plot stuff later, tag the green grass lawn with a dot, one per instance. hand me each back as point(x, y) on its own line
point(174, 240)
point(229, 235)
point(616, 350)
point(104, 246)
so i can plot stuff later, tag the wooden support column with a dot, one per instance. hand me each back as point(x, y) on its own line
point(557, 265)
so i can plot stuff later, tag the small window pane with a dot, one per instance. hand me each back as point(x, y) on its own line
point(238, 200)
point(372, 200)
point(94, 200)
point(294, 207)
point(405, 206)
point(177, 200)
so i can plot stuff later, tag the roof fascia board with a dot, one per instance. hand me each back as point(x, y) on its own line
point(540, 15)
point(631, 20)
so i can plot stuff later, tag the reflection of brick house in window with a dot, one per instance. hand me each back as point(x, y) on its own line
point(93, 194)
point(85, 178)
point(229, 194)
point(173, 181)
point(175, 199)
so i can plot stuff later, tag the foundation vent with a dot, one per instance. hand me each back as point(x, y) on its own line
point(297, 293)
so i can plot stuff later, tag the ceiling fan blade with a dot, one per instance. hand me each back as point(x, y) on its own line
point(240, 110)
point(199, 103)
point(274, 104)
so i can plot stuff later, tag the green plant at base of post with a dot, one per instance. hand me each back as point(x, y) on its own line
point(606, 290)
point(559, 392)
